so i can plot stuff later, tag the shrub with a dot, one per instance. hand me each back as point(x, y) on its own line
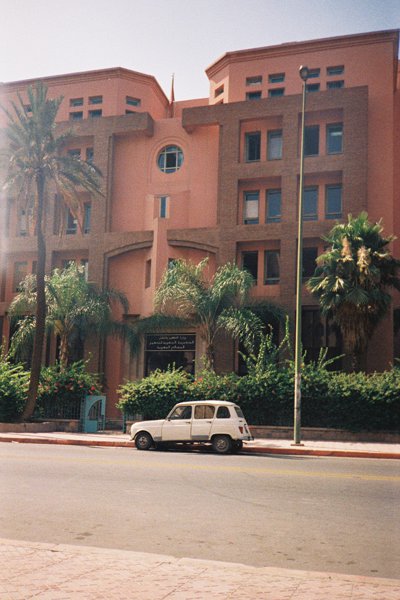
point(155, 395)
point(210, 386)
point(62, 390)
point(352, 401)
point(14, 381)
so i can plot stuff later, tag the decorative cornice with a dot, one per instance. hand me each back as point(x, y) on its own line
point(86, 76)
point(358, 39)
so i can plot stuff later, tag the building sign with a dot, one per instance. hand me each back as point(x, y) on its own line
point(171, 342)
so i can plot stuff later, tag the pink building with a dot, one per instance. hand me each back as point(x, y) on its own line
point(218, 178)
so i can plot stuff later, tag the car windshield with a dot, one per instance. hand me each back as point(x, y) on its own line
point(239, 412)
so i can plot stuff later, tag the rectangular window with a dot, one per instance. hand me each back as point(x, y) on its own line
point(336, 70)
point(309, 264)
point(76, 102)
point(250, 208)
point(311, 140)
point(310, 204)
point(313, 73)
point(93, 114)
point(276, 92)
point(256, 80)
point(163, 209)
point(334, 85)
point(171, 262)
point(253, 95)
point(276, 77)
point(312, 87)
point(23, 223)
point(85, 265)
point(274, 140)
point(76, 116)
point(67, 262)
point(333, 201)
point(89, 154)
point(20, 272)
point(133, 101)
point(271, 267)
point(71, 223)
point(95, 99)
point(218, 91)
point(87, 215)
point(75, 152)
point(204, 411)
point(334, 138)
point(147, 276)
point(250, 263)
point(253, 146)
point(273, 209)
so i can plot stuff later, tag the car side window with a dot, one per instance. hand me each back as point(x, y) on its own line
point(182, 412)
point(223, 412)
point(204, 412)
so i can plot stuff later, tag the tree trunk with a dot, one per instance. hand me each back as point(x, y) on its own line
point(63, 351)
point(37, 352)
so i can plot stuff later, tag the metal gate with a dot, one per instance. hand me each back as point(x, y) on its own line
point(93, 414)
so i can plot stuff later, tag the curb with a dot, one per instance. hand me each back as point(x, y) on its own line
point(245, 450)
point(316, 452)
point(67, 442)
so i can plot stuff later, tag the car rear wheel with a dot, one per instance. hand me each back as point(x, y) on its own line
point(222, 444)
point(143, 440)
point(237, 445)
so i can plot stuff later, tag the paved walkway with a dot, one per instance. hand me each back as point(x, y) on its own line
point(60, 572)
point(270, 446)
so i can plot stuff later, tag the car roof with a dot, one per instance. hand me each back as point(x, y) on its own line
point(212, 402)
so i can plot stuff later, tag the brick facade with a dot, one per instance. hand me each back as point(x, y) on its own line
point(206, 196)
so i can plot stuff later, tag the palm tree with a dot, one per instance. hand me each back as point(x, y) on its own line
point(352, 280)
point(212, 306)
point(35, 157)
point(74, 307)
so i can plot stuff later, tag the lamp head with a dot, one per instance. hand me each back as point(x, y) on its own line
point(304, 72)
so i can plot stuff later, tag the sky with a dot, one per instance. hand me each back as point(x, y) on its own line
point(40, 38)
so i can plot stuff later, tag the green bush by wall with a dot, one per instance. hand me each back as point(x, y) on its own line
point(352, 401)
point(14, 382)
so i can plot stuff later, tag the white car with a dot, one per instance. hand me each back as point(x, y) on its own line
point(220, 423)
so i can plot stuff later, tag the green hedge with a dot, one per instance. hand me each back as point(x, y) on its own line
point(352, 401)
point(14, 382)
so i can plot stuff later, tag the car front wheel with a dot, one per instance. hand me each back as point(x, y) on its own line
point(143, 441)
point(222, 444)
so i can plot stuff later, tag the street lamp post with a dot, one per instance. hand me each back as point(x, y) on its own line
point(303, 72)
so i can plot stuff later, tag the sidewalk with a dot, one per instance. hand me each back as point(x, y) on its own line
point(61, 572)
point(259, 446)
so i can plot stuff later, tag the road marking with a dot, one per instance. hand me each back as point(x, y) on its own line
point(145, 464)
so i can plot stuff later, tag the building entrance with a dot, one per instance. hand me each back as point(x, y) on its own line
point(168, 349)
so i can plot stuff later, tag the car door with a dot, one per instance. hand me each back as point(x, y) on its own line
point(202, 422)
point(177, 427)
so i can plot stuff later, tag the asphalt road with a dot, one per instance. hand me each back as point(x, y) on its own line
point(321, 514)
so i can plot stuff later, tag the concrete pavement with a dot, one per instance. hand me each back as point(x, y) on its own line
point(273, 446)
point(63, 572)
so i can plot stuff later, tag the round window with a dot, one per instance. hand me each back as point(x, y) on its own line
point(170, 159)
